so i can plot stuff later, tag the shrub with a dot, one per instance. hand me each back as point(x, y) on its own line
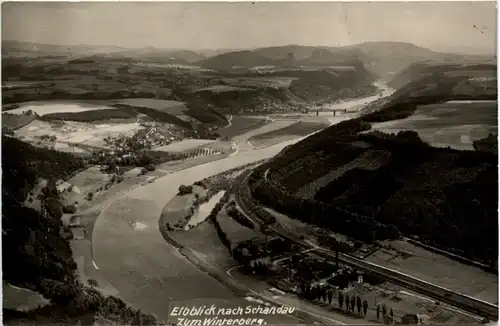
point(69, 209)
point(184, 190)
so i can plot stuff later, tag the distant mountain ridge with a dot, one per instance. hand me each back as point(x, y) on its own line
point(381, 58)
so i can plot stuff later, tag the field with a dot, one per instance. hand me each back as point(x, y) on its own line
point(415, 261)
point(234, 231)
point(184, 145)
point(293, 131)
point(172, 107)
point(456, 124)
point(177, 212)
point(20, 298)
point(204, 240)
point(16, 121)
point(240, 125)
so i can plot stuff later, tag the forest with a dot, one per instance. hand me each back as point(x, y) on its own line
point(36, 255)
point(446, 198)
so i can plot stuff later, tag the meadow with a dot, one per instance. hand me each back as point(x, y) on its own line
point(290, 132)
point(456, 123)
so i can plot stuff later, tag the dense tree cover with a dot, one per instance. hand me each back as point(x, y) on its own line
point(236, 215)
point(447, 198)
point(487, 144)
point(23, 164)
point(90, 115)
point(35, 254)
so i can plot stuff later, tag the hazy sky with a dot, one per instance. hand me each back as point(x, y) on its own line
point(439, 25)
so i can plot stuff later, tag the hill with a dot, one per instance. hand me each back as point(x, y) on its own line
point(380, 58)
point(35, 254)
point(432, 69)
point(306, 86)
point(162, 55)
point(244, 59)
point(378, 186)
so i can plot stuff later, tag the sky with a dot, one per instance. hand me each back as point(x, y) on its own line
point(442, 26)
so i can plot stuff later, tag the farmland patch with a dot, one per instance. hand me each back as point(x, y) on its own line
point(293, 131)
point(241, 124)
point(454, 124)
point(184, 145)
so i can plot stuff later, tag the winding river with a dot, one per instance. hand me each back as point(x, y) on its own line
point(149, 273)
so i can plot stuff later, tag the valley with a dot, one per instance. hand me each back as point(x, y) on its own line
point(345, 185)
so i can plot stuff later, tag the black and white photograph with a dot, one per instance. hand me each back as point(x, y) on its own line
point(249, 163)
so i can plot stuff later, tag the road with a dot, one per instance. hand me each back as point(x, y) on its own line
point(456, 299)
point(131, 253)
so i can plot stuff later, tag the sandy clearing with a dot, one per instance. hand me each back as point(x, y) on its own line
point(77, 132)
point(42, 108)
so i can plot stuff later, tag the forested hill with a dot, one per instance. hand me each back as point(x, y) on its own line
point(35, 253)
point(370, 184)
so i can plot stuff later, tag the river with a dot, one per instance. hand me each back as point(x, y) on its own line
point(147, 272)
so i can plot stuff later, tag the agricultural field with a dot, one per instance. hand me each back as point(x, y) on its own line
point(413, 260)
point(456, 124)
point(240, 125)
point(205, 241)
point(296, 130)
point(234, 231)
point(16, 121)
point(184, 145)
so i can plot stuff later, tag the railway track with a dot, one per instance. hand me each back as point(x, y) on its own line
point(458, 300)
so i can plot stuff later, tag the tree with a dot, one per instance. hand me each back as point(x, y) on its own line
point(392, 315)
point(365, 307)
point(358, 304)
point(353, 303)
point(384, 310)
point(378, 311)
point(347, 302)
point(341, 300)
point(92, 282)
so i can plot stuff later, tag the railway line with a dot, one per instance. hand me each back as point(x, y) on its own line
point(458, 300)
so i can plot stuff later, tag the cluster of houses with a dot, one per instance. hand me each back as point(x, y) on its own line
point(151, 136)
